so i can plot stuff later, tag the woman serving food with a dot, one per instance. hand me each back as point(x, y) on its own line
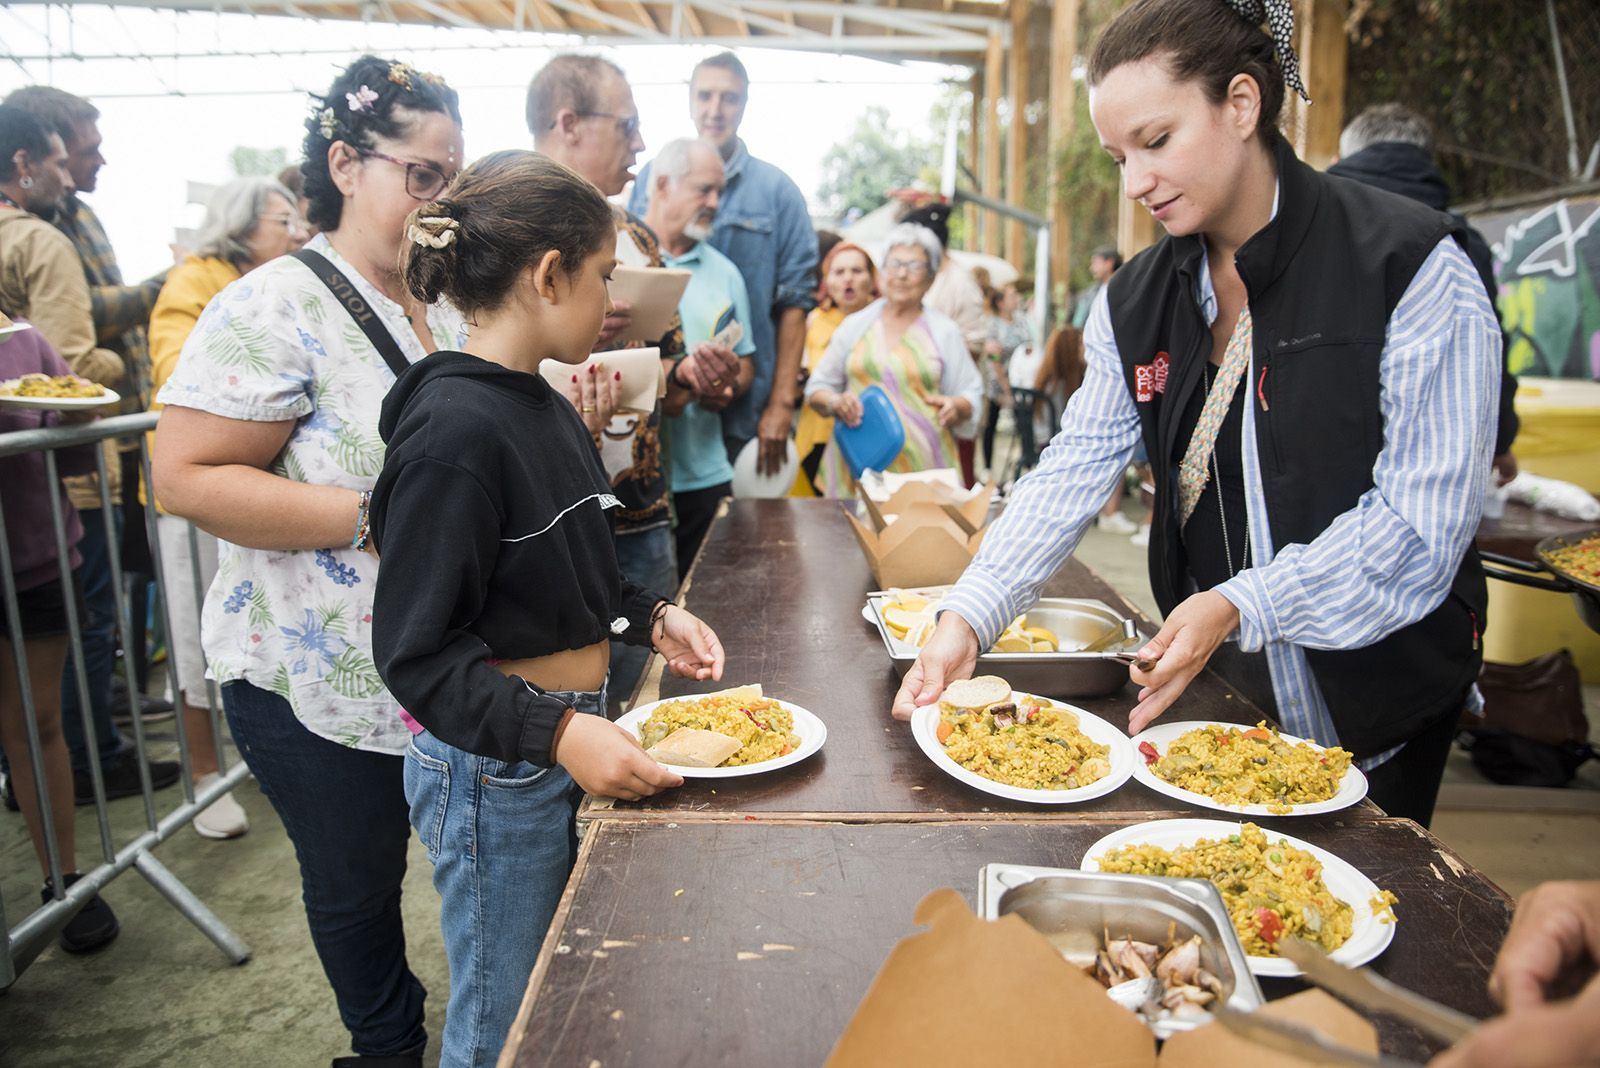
point(1312, 366)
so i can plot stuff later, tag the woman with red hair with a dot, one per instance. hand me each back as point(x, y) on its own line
point(849, 283)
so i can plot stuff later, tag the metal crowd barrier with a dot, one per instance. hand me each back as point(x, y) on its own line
point(29, 936)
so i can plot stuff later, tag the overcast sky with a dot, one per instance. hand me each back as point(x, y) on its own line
point(157, 141)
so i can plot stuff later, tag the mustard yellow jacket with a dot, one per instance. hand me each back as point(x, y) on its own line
point(188, 289)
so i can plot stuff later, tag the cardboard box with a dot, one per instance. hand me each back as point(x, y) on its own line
point(970, 991)
point(911, 540)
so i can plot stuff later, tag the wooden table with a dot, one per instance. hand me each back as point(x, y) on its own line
point(751, 943)
point(782, 583)
point(740, 921)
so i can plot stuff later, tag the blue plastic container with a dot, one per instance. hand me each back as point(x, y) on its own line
point(873, 445)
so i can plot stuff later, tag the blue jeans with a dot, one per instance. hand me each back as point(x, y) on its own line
point(345, 811)
point(99, 625)
point(502, 838)
point(646, 558)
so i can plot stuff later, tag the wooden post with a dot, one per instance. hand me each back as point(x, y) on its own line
point(1063, 47)
point(1136, 227)
point(1324, 62)
point(974, 136)
point(993, 71)
point(1017, 134)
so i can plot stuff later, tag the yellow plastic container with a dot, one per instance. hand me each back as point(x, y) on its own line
point(1525, 623)
point(1560, 434)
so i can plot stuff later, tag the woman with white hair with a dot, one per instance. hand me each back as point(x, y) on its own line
point(916, 354)
point(247, 223)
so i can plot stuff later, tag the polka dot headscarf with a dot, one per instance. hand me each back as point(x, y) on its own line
point(1279, 17)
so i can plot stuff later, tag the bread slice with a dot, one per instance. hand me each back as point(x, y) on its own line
point(690, 747)
point(975, 693)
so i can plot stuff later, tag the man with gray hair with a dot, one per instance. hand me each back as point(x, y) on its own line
point(1391, 147)
point(686, 184)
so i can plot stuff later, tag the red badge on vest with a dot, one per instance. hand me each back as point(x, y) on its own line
point(1150, 378)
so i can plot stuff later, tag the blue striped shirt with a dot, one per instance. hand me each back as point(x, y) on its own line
point(1383, 565)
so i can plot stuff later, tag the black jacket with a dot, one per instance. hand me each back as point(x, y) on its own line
point(1323, 279)
point(491, 522)
point(1409, 171)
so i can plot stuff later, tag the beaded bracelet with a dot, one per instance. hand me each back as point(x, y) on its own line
point(363, 536)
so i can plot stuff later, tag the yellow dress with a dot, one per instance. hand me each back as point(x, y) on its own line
point(815, 430)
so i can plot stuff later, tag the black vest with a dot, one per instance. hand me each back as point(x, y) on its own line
point(1323, 277)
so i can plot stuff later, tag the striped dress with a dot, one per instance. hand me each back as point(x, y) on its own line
point(909, 373)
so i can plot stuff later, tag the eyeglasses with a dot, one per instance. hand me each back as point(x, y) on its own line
point(911, 267)
point(423, 181)
point(288, 221)
point(627, 125)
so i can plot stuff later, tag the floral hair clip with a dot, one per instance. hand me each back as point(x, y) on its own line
point(362, 99)
point(433, 231)
point(435, 80)
point(328, 123)
point(400, 74)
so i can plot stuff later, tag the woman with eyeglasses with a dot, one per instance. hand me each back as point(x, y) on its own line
point(269, 440)
point(915, 353)
point(248, 222)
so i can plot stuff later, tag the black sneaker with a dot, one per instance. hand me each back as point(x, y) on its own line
point(10, 795)
point(122, 778)
point(94, 926)
point(151, 709)
point(378, 1062)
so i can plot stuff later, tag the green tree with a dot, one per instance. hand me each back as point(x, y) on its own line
point(859, 171)
point(258, 162)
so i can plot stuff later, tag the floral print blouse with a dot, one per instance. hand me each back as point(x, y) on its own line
point(273, 346)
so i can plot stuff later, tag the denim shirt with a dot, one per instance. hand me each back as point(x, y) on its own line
point(764, 228)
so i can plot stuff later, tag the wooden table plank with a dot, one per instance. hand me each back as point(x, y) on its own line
point(751, 943)
point(782, 583)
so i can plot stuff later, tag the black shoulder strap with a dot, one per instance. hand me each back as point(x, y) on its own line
point(354, 303)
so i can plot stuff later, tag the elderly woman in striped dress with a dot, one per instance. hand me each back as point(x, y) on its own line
point(915, 353)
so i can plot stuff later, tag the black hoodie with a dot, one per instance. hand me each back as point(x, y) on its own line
point(490, 518)
point(1409, 170)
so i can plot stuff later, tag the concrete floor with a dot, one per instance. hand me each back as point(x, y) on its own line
point(163, 995)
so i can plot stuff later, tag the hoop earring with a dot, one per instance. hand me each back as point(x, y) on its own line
point(25, 182)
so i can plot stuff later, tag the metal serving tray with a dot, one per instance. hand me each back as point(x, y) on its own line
point(1077, 622)
point(1075, 910)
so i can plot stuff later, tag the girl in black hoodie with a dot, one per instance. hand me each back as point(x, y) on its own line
point(498, 588)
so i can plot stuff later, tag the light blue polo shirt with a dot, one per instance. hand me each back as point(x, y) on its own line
point(699, 459)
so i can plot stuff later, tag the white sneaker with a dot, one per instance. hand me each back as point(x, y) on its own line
point(1116, 523)
point(1142, 538)
point(223, 818)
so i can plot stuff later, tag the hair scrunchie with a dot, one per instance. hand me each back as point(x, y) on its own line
point(433, 231)
point(1279, 17)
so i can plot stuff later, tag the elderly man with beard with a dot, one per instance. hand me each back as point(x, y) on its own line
point(686, 187)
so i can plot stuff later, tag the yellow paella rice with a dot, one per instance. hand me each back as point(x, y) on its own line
point(763, 726)
point(1034, 745)
point(1272, 890)
point(38, 385)
point(1249, 767)
point(1580, 560)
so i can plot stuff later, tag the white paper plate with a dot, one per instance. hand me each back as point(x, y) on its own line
point(1369, 936)
point(925, 721)
point(748, 482)
point(812, 731)
point(60, 404)
point(1352, 788)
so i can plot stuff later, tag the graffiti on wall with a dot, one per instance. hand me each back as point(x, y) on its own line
point(1547, 262)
